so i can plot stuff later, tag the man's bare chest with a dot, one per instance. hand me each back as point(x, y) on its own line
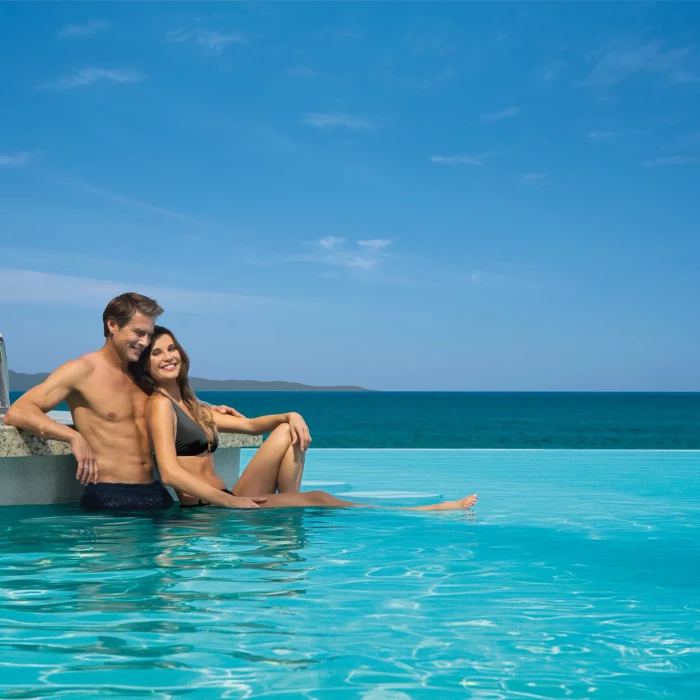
point(114, 401)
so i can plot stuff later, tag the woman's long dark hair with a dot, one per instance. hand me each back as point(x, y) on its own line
point(139, 371)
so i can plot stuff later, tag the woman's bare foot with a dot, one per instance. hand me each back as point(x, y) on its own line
point(463, 504)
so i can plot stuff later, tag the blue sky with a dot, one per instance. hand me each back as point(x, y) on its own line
point(453, 196)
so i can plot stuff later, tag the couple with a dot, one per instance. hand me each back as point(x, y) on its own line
point(133, 397)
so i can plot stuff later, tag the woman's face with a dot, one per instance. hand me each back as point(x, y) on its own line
point(164, 361)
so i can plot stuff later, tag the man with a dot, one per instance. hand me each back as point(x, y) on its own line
point(111, 443)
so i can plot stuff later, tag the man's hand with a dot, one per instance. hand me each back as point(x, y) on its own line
point(299, 431)
point(244, 502)
point(87, 462)
point(227, 411)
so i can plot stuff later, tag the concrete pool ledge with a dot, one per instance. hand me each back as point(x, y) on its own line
point(34, 471)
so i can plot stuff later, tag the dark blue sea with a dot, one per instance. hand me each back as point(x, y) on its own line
point(484, 420)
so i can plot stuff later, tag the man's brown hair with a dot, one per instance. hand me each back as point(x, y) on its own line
point(122, 309)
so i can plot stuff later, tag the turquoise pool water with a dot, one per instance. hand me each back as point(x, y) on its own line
point(577, 575)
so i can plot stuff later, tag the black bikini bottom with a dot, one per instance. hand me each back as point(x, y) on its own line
point(105, 495)
point(201, 502)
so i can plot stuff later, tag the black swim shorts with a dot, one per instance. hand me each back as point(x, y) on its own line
point(105, 495)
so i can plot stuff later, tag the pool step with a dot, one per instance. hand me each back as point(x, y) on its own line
point(344, 490)
point(324, 485)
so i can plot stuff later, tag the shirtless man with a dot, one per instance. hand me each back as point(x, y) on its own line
point(111, 443)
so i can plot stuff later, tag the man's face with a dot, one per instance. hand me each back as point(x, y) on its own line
point(133, 338)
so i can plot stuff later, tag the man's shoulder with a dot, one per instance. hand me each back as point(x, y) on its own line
point(80, 368)
point(73, 371)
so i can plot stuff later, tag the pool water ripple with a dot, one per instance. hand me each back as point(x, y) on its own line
point(554, 586)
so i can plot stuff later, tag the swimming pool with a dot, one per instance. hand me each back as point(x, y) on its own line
point(577, 575)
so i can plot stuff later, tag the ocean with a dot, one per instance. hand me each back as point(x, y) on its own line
point(425, 420)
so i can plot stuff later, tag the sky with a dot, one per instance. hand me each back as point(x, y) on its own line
point(401, 196)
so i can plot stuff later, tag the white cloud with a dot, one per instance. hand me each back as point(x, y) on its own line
point(507, 113)
point(688, 141)
point(208, 39)
point(374, 243)
point(444, 76)
point(597, 135)
point(427, 79)
point(121, 199)
point(334, 120)
point(682, 76)
point(623, 58)
point(366, 255)
point(355, 31)
point(463, 160)
point(362, 261)
point(330, 242)
point(89, 28)
point(479, 160)
point(670, 160)
point(431, 43)
point(16, 160)
point(302, 72)
point(533, 179)
point(552, 70)
point(88, 76)
point(29, 286)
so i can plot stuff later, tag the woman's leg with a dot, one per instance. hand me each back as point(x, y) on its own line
point(321, 499)
point(276, 466)
point(291, 470)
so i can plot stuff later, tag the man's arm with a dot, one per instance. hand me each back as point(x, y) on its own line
point(29, 413)
point(224, 410)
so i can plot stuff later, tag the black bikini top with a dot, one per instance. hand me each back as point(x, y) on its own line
point(190, 439)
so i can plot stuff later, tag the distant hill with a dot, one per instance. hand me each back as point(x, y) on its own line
point(23, 382)
point(199, 384)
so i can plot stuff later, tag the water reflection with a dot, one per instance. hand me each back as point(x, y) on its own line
point(355, 602)
point(175, 559)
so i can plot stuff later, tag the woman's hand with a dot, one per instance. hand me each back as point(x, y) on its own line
point(299, 431)
point(245, 502)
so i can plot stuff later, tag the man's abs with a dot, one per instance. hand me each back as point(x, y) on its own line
point(121, 447)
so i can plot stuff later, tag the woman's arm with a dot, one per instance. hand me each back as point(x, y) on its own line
point(265, 424)
point(160, 417)
point(248, 426)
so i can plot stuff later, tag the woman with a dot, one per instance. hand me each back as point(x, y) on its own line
point(184, 436)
